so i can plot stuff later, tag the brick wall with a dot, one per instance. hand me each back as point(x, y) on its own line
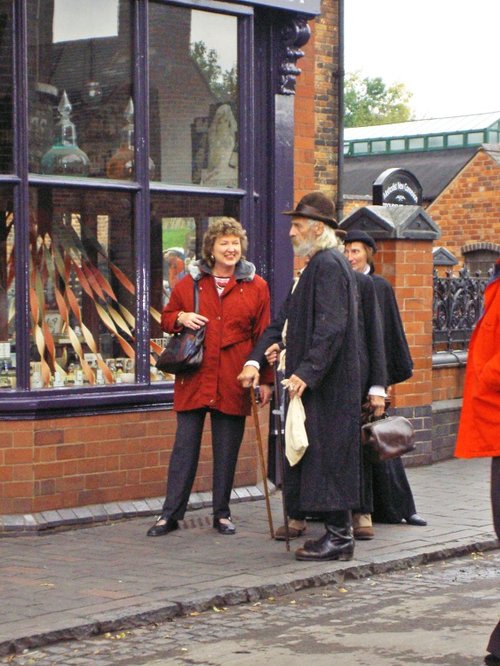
point(64, 463)
point(468, 209)
point(316, 104)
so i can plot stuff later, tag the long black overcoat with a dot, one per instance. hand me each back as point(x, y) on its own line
point(322, 349)
point(372, 359)
point(399, 361)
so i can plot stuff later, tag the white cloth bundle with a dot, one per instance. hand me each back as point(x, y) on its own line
point(296, 441)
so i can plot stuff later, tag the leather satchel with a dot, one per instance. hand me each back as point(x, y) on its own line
point(184, 350)
point(387, 438)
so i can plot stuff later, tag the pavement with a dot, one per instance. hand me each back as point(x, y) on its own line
point(59, 585)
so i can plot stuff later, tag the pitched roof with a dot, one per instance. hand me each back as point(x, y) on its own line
point(434, 169)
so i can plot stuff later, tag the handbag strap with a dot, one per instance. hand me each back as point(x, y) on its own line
point(196, 297)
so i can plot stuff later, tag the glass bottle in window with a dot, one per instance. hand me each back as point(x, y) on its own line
point(65, 157)
point(121, 164)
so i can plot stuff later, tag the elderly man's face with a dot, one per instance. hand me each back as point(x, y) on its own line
point(303, 235)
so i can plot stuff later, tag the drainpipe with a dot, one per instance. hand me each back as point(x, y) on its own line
point(340, 109)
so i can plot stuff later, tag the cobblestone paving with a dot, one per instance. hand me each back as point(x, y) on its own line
point(440, 613)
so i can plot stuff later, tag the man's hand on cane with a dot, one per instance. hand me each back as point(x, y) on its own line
point(248, 377)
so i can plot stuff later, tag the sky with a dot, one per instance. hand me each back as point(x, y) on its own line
point(446, 52)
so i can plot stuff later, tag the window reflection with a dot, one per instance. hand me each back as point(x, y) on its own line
point(80, 86)
point(6, 135)
point(82, 297)
point(193, 96)
point(7, 292)
point(177, 226)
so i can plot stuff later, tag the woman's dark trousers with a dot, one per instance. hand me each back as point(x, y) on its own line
point(227, 433)
point(494, 643)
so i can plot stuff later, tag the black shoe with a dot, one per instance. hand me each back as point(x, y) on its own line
point(170, 525)
point(335, 544)
point(415, 519)
point(224, 528)
point(491, 659)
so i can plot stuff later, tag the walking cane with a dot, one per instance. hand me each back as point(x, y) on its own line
point(281, 448)
point(261, 458)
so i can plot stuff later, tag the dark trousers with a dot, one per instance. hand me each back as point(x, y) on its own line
point(227, 433)
point(494, 642)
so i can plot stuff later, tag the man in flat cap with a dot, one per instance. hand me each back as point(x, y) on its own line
point(322, 368)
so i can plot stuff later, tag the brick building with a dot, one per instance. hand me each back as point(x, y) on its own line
point(123, 130)
point(100, 191)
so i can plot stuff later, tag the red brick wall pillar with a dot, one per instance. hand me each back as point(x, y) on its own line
point(404, 236)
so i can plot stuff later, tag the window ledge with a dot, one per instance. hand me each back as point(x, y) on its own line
point(85, 402)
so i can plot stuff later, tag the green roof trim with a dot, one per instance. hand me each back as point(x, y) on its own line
point(423, 135)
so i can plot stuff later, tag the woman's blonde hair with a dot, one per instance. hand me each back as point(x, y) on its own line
point(222, 226)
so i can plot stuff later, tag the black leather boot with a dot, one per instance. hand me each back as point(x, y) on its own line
point(337, 543)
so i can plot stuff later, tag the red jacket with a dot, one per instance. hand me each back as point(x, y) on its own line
point(235, 322)
point(479, 430)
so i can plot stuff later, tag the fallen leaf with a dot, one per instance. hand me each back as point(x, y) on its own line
point(218, 610)
point(342, 589)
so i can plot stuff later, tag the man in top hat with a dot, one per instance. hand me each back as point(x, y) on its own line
point(322, 368)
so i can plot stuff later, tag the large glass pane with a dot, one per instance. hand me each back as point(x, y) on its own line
point(193, 96)
point(80, 88)
point(6, 135)
point(82, 287)
point(7, 292)
point(177, 226)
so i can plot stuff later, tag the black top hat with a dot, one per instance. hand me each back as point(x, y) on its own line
point(316, 206)
point(359, 236)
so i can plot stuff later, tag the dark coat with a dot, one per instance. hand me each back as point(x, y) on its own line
point(399, 361)
point(322, 349)
point(372, 359)
point(392, 496)
point(236, 320)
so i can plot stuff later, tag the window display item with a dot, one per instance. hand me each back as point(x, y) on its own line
point(65, 157)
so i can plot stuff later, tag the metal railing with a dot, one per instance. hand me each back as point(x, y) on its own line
point(457, 305)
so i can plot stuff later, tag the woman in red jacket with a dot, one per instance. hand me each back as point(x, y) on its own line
point(234, 307)
point(479, 429)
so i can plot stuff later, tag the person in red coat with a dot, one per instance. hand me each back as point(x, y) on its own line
point(234, 307)
point(479, 428)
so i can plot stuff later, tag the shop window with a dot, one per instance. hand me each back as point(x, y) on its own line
point(6, 135)
point(82, 295)
point(110, 191)
point(81, 110)
point(7, 292)
point(193, 95)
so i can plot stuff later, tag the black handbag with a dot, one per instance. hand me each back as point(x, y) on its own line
point(388, 437)
point(184, 350)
